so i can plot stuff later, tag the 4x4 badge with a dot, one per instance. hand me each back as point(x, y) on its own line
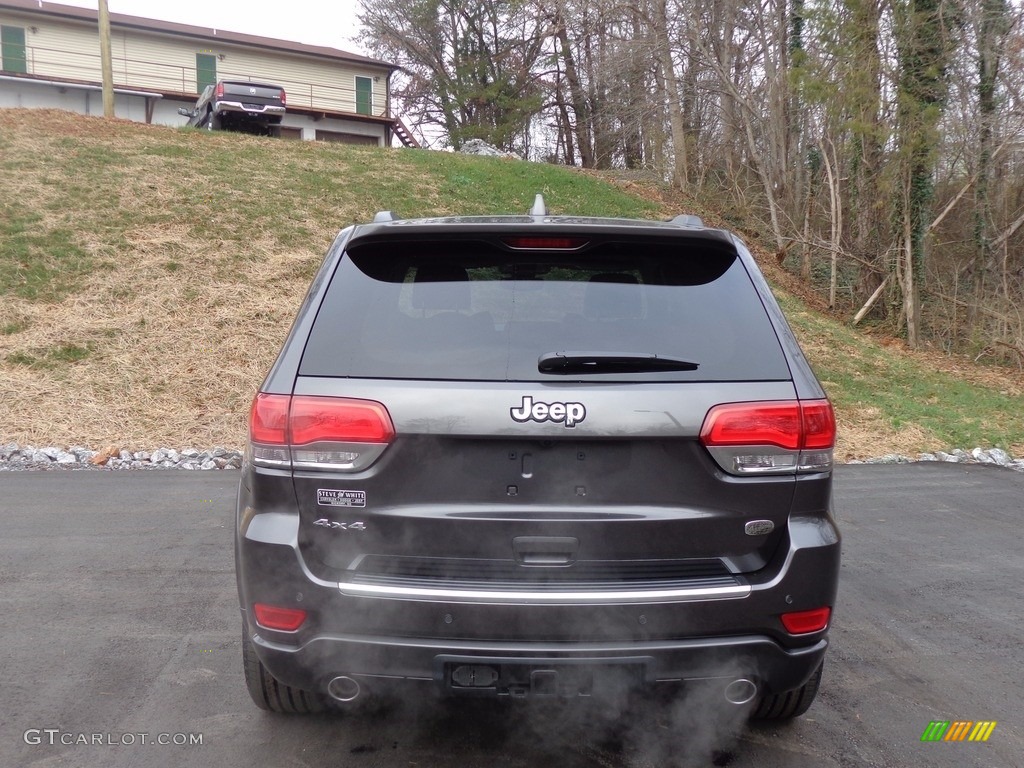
point(570, 413)
point(323, 522)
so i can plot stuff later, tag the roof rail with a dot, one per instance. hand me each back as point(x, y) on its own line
point(688, 220)
point(539, 208)
point(381, 217)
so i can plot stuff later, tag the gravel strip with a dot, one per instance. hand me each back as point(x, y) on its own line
point(14, 457)
point(957, 456)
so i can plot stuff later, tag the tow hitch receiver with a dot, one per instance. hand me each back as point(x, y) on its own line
point(534, 677)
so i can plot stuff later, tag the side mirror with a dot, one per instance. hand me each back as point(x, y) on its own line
point(186, 112)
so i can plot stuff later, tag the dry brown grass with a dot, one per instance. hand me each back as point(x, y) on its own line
point(196, 276)
point(176, 351)
point(174, 360)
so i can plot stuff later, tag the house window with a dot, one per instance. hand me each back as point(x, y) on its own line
point(364, 96)
point(12, 49)
point(206, 71)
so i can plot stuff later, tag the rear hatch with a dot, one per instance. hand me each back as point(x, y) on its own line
point(485, 412)
point(252, 95)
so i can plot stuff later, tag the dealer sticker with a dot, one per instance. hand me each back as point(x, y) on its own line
point(329, 497)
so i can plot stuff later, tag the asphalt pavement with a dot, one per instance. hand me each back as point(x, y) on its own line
point(119, 631)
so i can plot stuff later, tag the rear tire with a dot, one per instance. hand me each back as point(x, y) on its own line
point(789, 704)
point(272, 696)
point(212, 121)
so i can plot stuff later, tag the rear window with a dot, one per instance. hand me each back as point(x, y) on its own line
point(480, 310)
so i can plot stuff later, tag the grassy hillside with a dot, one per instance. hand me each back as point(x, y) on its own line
point(148, 275)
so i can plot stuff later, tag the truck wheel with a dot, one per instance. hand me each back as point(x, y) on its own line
point(789, 704)
point(212, 121)
point(267, 693)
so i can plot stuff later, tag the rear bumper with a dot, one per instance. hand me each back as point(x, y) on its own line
point(387, 640)
point(260, 110)
point(393, 663)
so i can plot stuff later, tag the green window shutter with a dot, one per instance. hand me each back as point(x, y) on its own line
point(206, 71)
point(12, 48)
point(364, 96)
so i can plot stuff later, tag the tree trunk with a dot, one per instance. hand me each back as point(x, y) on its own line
point(578, 96)
point(663, 54)
point(924, 52)
point(992, 29)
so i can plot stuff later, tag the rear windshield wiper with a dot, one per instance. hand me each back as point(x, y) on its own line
point(571, 363)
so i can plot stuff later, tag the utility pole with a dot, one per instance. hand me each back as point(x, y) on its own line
point(105, 61)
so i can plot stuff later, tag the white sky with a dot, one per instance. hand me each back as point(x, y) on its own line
point(313, 22)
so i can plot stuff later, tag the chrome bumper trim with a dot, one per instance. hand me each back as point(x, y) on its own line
point(595, 597)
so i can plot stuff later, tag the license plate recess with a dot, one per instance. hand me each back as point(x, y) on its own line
point(538, 677)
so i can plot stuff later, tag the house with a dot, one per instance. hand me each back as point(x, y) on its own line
point(49, 57)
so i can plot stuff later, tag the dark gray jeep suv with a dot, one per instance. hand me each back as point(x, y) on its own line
point(537, 455)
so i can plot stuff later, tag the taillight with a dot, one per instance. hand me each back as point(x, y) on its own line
point(545, 243)
point(771, 437)
point(268, 430)
point(218, 92)
point(314, 419)
point(276, 617)
point(753, 424)
point(806, 622)
point(268, 419)
point(819, 425)
point(310, 432)
point(284, 97)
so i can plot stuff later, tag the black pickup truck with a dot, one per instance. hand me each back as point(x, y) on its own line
point(236, 105)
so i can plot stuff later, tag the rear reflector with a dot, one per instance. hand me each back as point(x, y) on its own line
point(805, 622)
point(276, 617)
point(771, 437)
point(332, 432)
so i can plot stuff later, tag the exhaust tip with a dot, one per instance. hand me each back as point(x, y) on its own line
point(343, 689)
point(740, 691)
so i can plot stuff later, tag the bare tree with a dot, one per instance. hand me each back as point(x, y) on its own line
point(860, 132)
point(469, 66)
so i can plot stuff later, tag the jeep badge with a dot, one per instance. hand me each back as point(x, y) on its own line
point(569, 413)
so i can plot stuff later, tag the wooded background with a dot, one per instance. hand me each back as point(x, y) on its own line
point(876, 145)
